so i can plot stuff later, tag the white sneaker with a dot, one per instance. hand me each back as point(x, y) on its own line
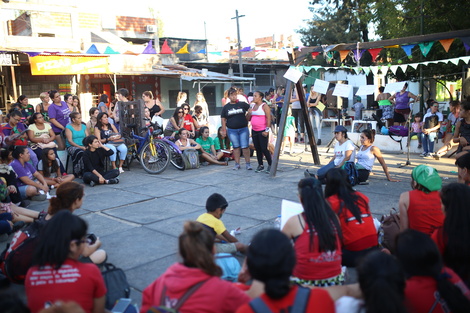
point(423, 154)
point(121, 170)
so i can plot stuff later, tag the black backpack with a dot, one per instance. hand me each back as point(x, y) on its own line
point(17, 257)
point(299, 306)
point(116, 284)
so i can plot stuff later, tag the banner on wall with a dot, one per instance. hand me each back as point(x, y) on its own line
point(68, 65)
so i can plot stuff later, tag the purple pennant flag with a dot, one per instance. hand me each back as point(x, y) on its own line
point(467, 47)
point(466, 42)
point(358, 56)
point(246, 49)
point(407, 49)
point(149, 49)
point(33, 54)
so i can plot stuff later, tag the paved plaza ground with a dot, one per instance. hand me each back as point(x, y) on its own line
point(139, 220)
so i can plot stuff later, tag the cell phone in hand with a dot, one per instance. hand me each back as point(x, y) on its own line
point(92, 238)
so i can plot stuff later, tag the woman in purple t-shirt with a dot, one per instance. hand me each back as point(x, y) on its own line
point(58, 117)
point(30, 181)
point(402, 100)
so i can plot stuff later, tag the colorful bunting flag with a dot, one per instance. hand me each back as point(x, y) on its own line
point(446, 43)
point(110, 50)
point(343, 54)
point(394, 46)
point(366, 70)
point(128, 52)
point(149, 49)
point(92, 50)
point(32, 54)
point(426, 47)
point(202, 51)
point(183, 50)
point(315, 54)
point(466, 42)
point(358, 54)
point(374, 53)
point(217, 53)
point(246, 49)
point(407, 49)
point(166, 48)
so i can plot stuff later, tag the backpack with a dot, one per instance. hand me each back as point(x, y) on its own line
point(229, 265)
point(398, 130)
point(389, 229)
point(191, 158)
point(431, 121)
point(299, 306)
point(166, 307)
point(17, 257)
point(116, 284)
point(352, 172)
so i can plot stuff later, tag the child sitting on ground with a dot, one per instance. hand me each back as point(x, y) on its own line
point(216, 205)
point(50, 169)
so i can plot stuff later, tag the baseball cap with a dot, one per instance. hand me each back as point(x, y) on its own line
point(427, 177)
point(340, 128)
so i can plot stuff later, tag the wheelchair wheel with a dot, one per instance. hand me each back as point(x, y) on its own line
point(176, 157)
point(154, 162)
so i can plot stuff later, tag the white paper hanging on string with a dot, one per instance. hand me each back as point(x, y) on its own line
point(321, 86)
point(403, 67)
point(394, 69)
point(366, 70)
point(366, 90)
point(394, 87)
point(289, 209)
point(374, 69)
point(455, 61)
point(414, 65)
point(342, 90)
point(293, 74)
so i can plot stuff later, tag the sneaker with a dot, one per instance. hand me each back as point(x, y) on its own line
point(152, 159)
point(420, 146)
point(428, 156)
point(121, 170)
point(236, 167)
point(318, 142)
point(17, 226)
point(268, 169)
point(260, 168)
point(423, 154)
point(364, 182)
point(248, 167)
point(39, 197)
point(307, 174)
point(92, 184)
point(113, 181)
point(226, 159)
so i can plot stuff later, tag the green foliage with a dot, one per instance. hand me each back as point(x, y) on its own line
point(349, 21)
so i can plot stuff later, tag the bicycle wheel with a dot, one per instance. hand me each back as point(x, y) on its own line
point(176, 157)
point(154, 157)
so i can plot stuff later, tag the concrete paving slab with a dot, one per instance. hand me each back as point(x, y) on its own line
point(258, 207)
point(138, 246)
point(154, 210)
point(161, 187)
point(198, 196)
point(111, 198)
point(103, 224)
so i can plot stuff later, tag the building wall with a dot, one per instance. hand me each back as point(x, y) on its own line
point(135, 24)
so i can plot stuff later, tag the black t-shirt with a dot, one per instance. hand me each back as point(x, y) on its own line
point(235, 114)
point(95, 160)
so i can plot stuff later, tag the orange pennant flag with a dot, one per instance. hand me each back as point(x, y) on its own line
point(446, 43)
point(343, 54)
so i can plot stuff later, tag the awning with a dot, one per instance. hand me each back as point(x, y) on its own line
point(66, 65)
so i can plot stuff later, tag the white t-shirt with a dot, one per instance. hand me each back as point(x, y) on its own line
point(340, 151)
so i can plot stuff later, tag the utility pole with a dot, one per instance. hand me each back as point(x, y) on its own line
point(240, 64)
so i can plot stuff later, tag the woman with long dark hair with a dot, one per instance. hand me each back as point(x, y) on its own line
point(316, 233)
point(40, 134)
point(271, 260)
point(357, 224)
point(197, 268)
point(430, 287)
point(58, 116)
point(260, 128)
point(75, 132)
point(108, 135)
point(57, 274)
point(382, 283)
point(175, 123)
point(49, 168)
point(454, 236)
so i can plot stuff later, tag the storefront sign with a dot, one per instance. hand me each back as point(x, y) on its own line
point(66, 65)
point(6, 59)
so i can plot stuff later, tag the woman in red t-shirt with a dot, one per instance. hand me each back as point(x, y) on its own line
point(430, 287)
point(270, 260)
point(357, 224)
point(57, 274)
point(188, 121)
point(316, 235)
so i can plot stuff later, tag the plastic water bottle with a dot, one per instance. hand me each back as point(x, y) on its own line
point(277, 222)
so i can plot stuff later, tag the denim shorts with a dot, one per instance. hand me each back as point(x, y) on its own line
point(239, 137)
point(22, 191)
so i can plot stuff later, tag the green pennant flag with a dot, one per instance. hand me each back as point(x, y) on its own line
point(426, 47)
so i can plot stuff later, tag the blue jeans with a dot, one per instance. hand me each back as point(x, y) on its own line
point(322, 171)
point(122, 148)
point(239, 137)
point(428, 142)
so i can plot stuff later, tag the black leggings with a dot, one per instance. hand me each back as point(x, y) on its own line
point(352, 258)
point(89, 176)
point(299, 120)
point(261, 146)
point(363, 175)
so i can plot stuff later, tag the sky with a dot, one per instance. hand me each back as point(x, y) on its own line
point(185, 19)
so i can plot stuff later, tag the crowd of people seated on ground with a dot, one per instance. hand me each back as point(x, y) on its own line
point(304, 262)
